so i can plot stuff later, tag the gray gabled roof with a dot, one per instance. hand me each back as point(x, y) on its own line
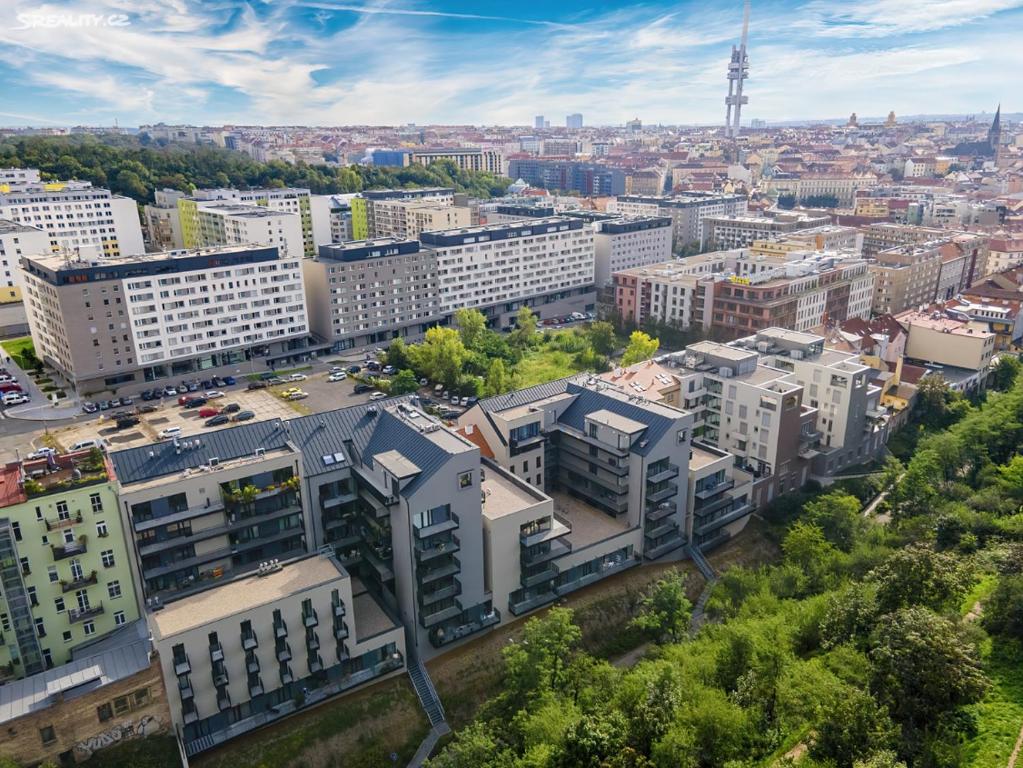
point(588, 401)
point(134, 465)
point(519, 397)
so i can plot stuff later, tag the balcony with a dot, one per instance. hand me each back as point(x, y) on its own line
point(287, 676)
point(526, 443)
point(660, 511)
point(81, 614)
point(342, 652)
point(604, 571)
point(283, 652)
point(189, 715)
point(312, 642)
point(216, 652)
point(731, 516)
point(249, 641)
point(182, 666)
point(251, 663)
point(315, 664)
point(441, 636)
point(441, 593)
point(425, 553)
point(665, 493)
point(434, 529)
point(63, 522)
point(652, 553)
point(185, 689)
point(670, 473)
point(432, 617)
point(71, 549)
point(340, 630)
point(615, 465)
point(540, 577)
point(433, 574)
point(337, 610)
point(554, 550)
point(709, 507)
point(219, 674)
point(255, 686)
point(533, 537)
point(280, 629)
point(524, 604)
point(80, 583)
point(223, 699)
point(612, 481)
point(713, 490)
point(653, 534)
point(310, 618)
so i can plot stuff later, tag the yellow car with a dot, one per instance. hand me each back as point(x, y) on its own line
point(289, 391)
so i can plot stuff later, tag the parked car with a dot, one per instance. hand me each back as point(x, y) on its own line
point(113, 403)
point(213, 394)
point(208, 413)
point(454, 399)
point(127, 401)
point(257, 385)
point(230, 381)
point(148, 408)
point(127, 421)
point(299, 395)
point(41, 453)
point(377, 396)
point(218, 382)
point(15, 398)
point(195, 402)
point(336, 369)
point(88, 407)
point(207, 384)
point(289, 391)
point(169, 432)
point(147, 395)
point(297, 377)
point(104, 405)
point(424, 400)
point(449, 414)
point(231, 408)
point(86, 445)
point(438, 389)
point(424, 382)
point(275, 380)
point(339, 376)
point(169, 391)
point(243, 416)
point(216, 421)
point(354, 369)
point(473, 400)
point(388, 370)
point(360, 388)
point(10, 387)
point(372, 365)
point(464, 402)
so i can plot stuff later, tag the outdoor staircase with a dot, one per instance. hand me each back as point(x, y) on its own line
point(702, 565)
point(428, 697)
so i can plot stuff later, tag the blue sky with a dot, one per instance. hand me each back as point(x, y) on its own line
point(334, 62)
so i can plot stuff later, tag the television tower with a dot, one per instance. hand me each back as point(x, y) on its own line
point(738, 71)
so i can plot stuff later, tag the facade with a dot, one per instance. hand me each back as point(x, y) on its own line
point(110, 693)
point(133, 320)
point(405, 219)
point(66, 573)
point(591, 179)
point(906, 276)
point(257, 648)
point(936, 339)
point(163, 221)
point(283, 200)
point(723, 232)
point(629, 243)
point(78, 217)
point(884, 236)
point(331, 218)
point(546, 264)
point(466, 158)
point(17, 240)
point(212, 224)
point(1004, 253)
point(843, 187)
point(364, 206)
point(687, 211)
point(202, 510)
point(574, 121)
point(371, 291)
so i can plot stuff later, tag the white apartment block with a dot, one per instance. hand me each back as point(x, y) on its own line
point(406, 219)
point(725, 232)
point(331, 218)
point(629, 243)
point(467, 159)
point(687, 212)
point(212, 224)
point(497, 268)
point(122, 322)
point(77, 216)
point(285, 200)
point(16, 241)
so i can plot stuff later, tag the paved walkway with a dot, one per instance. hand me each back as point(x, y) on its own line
point(426, 748)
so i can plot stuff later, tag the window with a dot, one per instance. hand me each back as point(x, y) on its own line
point(119, 618)
point(114, 589)
point(90, 628)
point(104, 712)
point(47, 658)
point(108, 558)
point(40, 628)
point(47, 735)
point(538, 462)
point(51, 571)
point(16, 528)
point(62, 510)
point(682, 435)
point(67, 635)
point(593, 430)
point(465, 480)
point(97, 502)
point(58, 603)
point(101, 529)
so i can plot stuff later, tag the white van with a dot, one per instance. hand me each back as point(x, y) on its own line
point(85, 445)
point(169, 432)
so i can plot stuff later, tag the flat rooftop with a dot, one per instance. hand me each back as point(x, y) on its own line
point(244, 594)
point(705, 456)
point(505, 496)
point(370, 618)
point(942, 324)
point(719, 350)
point(589, 525)
point(59, 262)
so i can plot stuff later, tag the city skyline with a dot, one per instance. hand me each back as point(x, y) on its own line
point(320, 62)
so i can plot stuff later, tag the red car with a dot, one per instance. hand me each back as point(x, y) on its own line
point(206, 413)
point(10, 387)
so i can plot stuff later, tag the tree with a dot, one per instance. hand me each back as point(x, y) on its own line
point(398, 355)
point(641, 347)
point(440, 356)
point(497, 379)
point(471, 324)
point(538, 663)
point(918, 575)
point(707, 734)
point(602, 338)
point(1003, 612)
point(475, 746)
point(938, 405)
point(525, 329)
point(923, 668)
point(1005, 372)
point(806, 547)
point(404, 383)
point(838, 516)
point(594, 739)
point(851, 726)
point(666, 610)
point(883, 759)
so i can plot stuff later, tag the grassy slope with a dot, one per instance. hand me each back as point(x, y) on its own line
point(1000, 715)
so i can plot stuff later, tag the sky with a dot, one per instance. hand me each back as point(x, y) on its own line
point(334, 62)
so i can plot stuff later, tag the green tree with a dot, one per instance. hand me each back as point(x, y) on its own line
point(883, 759)
point(641, 347)
point(1003, 612)
point(849, 727)
point(525, 329)
point(398, 355)
point(440, 356)
point(838, 516)
point(497, 379)
point(404, 383)
point(918, 575)
point(665, 612)
point(594, 739)
point(602, 338)
point(1005, 372)
point(475, 746)
point(708, 733)
point(538, 663)
point(806, 547)
point(471, 324)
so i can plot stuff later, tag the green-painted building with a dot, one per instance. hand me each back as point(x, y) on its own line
point(66, 577)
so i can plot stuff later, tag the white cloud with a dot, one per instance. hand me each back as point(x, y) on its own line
point(883, 18)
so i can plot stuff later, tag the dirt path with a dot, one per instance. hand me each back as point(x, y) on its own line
point(629, 659)
point(1016, 750)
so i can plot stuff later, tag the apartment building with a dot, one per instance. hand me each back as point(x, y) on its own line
point(843, 187)
point(77, 217)
point(162, 221)
point(255, 649)
point(938, 339)
point(884, 236)
point(331, 218)
point(830, 237)
point(724, 232)
point(406, 219)
point(364, 206)
point(129, 321)
point(284, 200)
point(610, 460)
point(203, 509)
point(906, 276)
point(371, 291)
point(507, 213)
point(465, 158)
point(65, 570)
point(591, 179)
point(675, 292)
point(546, 264)
point(1004, 253)
point(687, 211)
point(210, 224)
point(17, 240)
point(620, 244)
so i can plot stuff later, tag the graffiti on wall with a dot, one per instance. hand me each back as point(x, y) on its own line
point(147, 725)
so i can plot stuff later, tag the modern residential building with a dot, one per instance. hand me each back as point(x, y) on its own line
point(364, 206)
point(885, 235)
point(620, 244)
point(507, 213)
point(723, 232)
point(79, 218)
point(284, 200)
point(829, 237)
point(687, 211)
point(201, 510)
point(369, 292)
point(574, 121)
point(331, 218)
point(466, 158)
point(257, 648)
point(406, 219)
point(125, 322)
point(65, 570)
point(568, 176)
point(17, 240)
point(162, 221)
point(906, 276)
point(211, 224)
point(546, 264)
